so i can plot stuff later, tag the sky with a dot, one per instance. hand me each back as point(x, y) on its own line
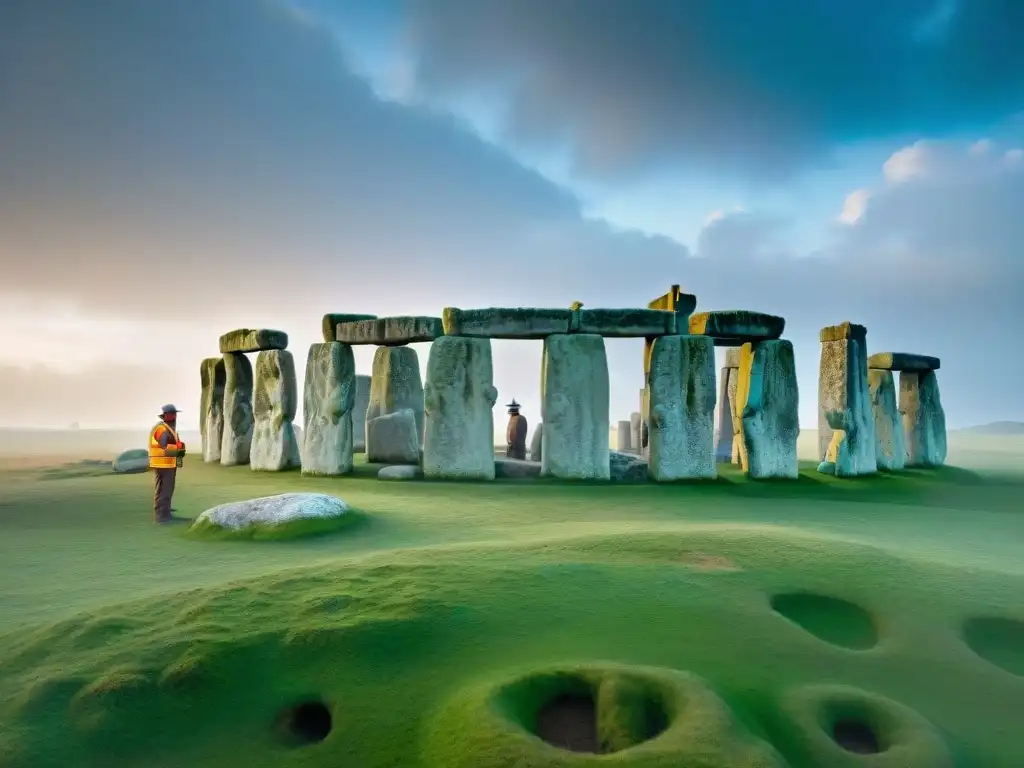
point(171, 171)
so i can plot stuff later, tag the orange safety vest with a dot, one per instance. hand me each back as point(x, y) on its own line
point(158, 458)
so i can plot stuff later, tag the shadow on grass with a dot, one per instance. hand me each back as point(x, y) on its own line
point(77, 470)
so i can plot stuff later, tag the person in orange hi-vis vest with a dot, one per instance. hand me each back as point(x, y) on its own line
point(165, 456)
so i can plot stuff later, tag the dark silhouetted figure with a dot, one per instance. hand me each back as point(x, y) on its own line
point(516, 433)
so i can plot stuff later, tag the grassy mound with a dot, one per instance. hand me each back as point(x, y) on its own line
point(296, 529)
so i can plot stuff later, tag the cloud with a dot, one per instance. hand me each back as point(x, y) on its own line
point(854, 206)
point(734, 86)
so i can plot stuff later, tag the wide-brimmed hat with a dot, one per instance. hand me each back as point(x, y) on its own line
point(168, 409)
point(513, 405)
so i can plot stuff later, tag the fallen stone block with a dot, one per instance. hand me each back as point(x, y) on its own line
point(362, 402)
point(245, 340)
point(735, 327)
point(846, 423)
point(626, 468)
point(393, 438)
point(131, 462)
point(903, 361)
point(329, 324)
point(211, 407)
point(458, 404)
point(574, 407)
point(682, 409)
point(396, 384)
point(238, 421)
point(273, 510)
point(626, 323)
point(327, 403)
point(390, 331)
point(400, 472)
point(890, 448)
point(505, 322)
point(767, 404)
point(275, 401)
point(515, 468)
point(924, 420)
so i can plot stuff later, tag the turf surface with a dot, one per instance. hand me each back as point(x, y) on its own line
point(818, 623)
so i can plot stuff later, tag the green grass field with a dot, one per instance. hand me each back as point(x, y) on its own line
point(821, 623)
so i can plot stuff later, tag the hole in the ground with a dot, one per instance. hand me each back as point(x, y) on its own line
point(307, 723)
point(855, 736)
point(997, 640)
point(831, 619)
point(569, 722)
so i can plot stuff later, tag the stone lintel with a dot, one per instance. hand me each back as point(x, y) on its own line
point(331, 321)
point(627, 323)
point(245, 340)
point(737, 327)
point(843, 331)
point(902, 361)
point(390, 331)
point(506, 322)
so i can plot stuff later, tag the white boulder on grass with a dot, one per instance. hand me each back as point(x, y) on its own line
point(274, 510)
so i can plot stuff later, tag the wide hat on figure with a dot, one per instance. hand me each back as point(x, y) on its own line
point(513, 407)
point(168, 410)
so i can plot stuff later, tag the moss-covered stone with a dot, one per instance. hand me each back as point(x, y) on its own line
point(903, 361)
point(846, 424)
point(327, 403)
point(245, 340)
point(396, 384)
point(737, 326)
point(627, 323)
point(211, 407)
point(275, 401)
point(767, 407)
point(238, 420)
point(506, 322)
point(843, 331)
point(924, 420)
point(675, 301)
point(890, 446)
point(329, 325)
point(390, 331)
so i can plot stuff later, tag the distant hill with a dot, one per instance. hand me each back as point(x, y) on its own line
point(996, 428)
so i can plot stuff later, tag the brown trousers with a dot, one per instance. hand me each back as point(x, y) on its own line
point(164, 491)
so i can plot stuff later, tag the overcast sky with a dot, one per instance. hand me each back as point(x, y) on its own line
point(170, 171)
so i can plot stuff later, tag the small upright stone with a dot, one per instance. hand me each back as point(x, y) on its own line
point(726, 397)
point(767, 405)
point(211, 407)
point(245, 340)
point(238, 421)
point(362, 402)
point(327, 402)
point(574, 407)
point(890, 449)
point(275, 400)
point(924, 420)
point(393, 439)
point(396, 384)
point(635, 429)
point(537, 442)
point(846, 424)
point(624, 437)
point(459, 397)
point(682, 405)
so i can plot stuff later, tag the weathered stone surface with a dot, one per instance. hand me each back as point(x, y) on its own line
point(626, 468)
point(458, 398)
point(732, 357)
point(635, 430)
point(400, 472)
point(767, 402)
point(574, 407)
point(506, 322)
point(393, 438)
point(724, 431)
point(627, 323)
point(924, 420)
point(211, 407)
point(645, 415)
point(396, 384)
point(537, 442)
point(890, 449)
point(515, 468)
point(273, 510)
point(329, 324)
point(846, 424)
point(131, 462)
point(737, 326)
point(362, 402)
point(245, 340)
point(903, 361)
point(238, 418)
point(675, 301)
point(624, 437)
point(737, 417)
point(275, 400)
point(682, 405)
point(327, 402)
point(390, 331)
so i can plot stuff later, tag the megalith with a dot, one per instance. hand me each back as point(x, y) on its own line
point(574, 407)
point(727, 444)
point(537, 442)
point(396, 384)
point(238, 419)
point(211, 407)
point(458, 404)
point(767, 406)
point(393, 438)
point(359, 406)
point(924, 420)
point(890, 448)
point(624, 437)
point(635, 431)
point(275, 400)
point(681, 383)
point(846, 423)
point(328, 399)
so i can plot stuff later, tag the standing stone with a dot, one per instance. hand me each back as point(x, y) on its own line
point(924, 420)
point(327, 409)
point(396, 385)
point(890, 449)
point(624, 437)
point(682, 404)
point(537, 442)
point(635, 422)
point(645, 415)
point(767, 405)
point(737, 422)
point(238, 419)
point(211, 407)
point(574, 407)
point(275, 400)
point(393, 439)
point(846, 424)
point(362, 402)
point(724, 442)
point(458, 400)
